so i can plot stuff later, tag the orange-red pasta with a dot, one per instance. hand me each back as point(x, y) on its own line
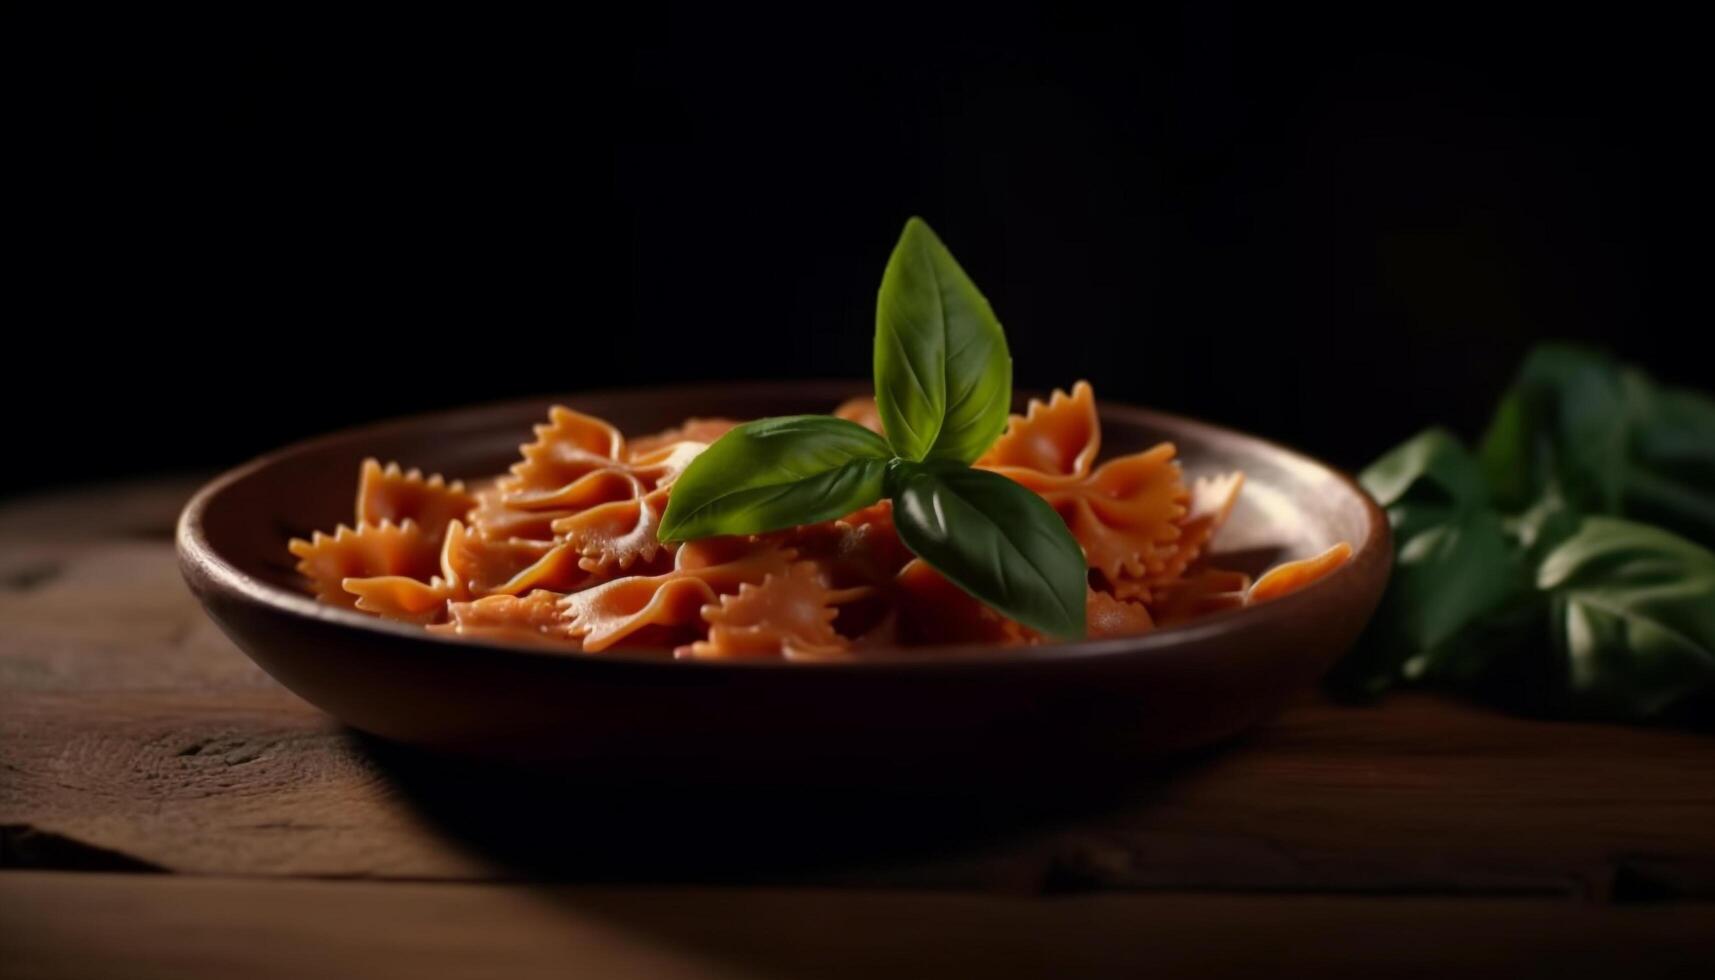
point(787, 615)
point(367, 551)
point(388, 494)
point(1207, 591)
point(655, 607)
point(1295, 575)
point(932, 610)
point(561, 550)
point(1107, 615)
point(1059, 437)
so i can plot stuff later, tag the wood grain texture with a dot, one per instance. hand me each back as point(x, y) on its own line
point(55, 925)
point(132, 734)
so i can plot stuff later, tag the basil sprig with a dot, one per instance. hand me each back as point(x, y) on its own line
point(1564, 567)
point(943, 387)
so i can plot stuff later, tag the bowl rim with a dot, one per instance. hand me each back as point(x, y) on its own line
point(206, 569)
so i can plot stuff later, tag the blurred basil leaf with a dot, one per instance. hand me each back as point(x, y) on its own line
point(1565, 421)
point(1432, 467)
point(1424, 482)
point(996, 540)
point(1507, 588)
point(1671, 480)
point(1674, 428)
point(1633, 615)
point(943, 376)
point(1453, 572)
point(776, 473)
point(1454, 560)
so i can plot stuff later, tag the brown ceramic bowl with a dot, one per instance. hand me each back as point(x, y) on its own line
point(1054, 705)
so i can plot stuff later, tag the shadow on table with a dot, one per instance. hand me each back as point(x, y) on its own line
point(568, 822)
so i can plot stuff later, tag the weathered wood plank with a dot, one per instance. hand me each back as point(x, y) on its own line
point(132, 731)
point(142, 927)
point(242, 781)
point(1421, 797)
point(129, 727)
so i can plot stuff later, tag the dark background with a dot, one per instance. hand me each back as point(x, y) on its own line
point(1331, 227)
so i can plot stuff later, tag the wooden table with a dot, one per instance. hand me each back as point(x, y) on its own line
point(168, 810)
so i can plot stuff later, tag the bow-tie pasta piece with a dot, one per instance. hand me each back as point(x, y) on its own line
point(786, 616)
point(1126, 513)
point(569, 445)
point(411, 599)
point(392, 495)
point(1212, 501)
point(488, 566)
point(575, 461)
point(642, 610)
point(406, 599)
point(1105, 615)
point(367, 551)
point(616, 534)
point(534, 619)
point(1199, 594)
point(1060, 437)
point(1292, 576)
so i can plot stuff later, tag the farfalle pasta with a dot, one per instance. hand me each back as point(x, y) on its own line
point(562, 551)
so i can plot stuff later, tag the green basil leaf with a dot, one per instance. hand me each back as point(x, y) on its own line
point(1682, 506)
point(1433, 463)
point(943, 377)
point(1672, 477)
point(1459, 570)
point(996, 540)
point(1566, 421)
point(1453, 574)
point(776, 473)
point(1673, 429)
point(1505, 589)
point(1546, 523)
point(1634, 618)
